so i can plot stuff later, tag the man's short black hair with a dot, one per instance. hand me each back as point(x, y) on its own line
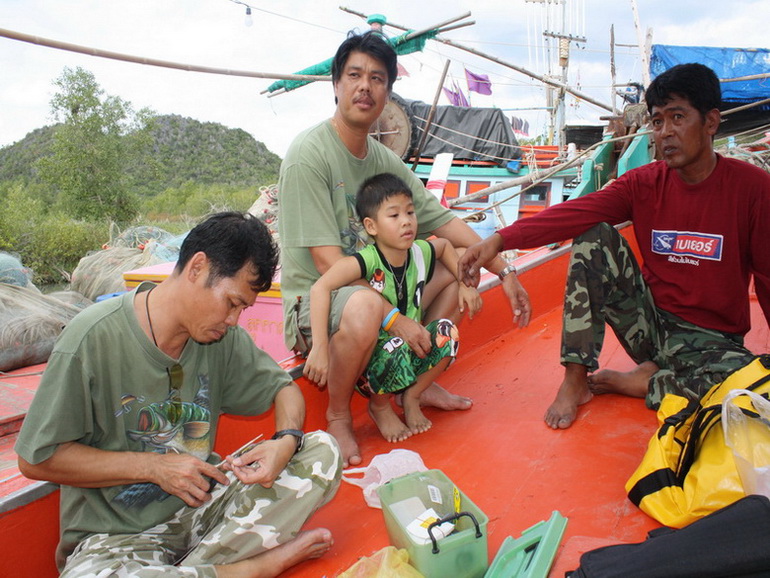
point(371, 43)
point(376, 190)
point(695, 82)
point(232, 240)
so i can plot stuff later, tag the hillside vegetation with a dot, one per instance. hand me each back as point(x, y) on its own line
point(181, 150)
point(64, 188)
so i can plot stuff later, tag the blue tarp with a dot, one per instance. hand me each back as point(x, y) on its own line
point(725, 62)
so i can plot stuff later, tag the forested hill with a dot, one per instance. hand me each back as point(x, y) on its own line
point(180, 150)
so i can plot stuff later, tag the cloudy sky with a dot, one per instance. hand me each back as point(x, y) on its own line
point(289, 35)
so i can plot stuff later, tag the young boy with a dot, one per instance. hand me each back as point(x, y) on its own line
point(399, 267)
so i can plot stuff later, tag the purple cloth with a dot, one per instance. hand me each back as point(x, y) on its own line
point(456, 96)
point(478, 82)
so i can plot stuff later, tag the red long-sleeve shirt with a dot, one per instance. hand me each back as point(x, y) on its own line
point(700, 243)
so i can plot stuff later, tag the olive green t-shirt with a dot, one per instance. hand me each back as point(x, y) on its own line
point(107, 386)
point(316, 199)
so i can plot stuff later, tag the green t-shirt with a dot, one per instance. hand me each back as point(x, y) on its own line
point(107, 386)
point(316, 199)
point(411, 278)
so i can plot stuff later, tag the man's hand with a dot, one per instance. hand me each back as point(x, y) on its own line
point(263, 464)
point(186, 477)
point(413, 333)
point(477, 256)
point(517, 295)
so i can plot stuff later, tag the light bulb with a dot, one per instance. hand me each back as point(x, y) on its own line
point(248, 21)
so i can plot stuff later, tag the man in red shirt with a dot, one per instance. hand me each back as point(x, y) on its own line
point(702, 222)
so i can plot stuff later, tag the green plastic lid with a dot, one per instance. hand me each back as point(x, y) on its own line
point(531, 555)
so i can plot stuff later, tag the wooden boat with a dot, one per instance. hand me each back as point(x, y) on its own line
point(500, 453)
point(487, 177)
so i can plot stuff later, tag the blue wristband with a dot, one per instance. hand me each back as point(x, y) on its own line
point(388, 317)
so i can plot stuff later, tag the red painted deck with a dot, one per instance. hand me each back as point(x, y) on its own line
point(499, 453)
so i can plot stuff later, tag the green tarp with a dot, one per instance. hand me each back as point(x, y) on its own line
point(400, 44)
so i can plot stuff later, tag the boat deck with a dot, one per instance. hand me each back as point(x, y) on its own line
point(499, 453)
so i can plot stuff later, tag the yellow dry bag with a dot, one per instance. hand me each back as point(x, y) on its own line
point(688, 471)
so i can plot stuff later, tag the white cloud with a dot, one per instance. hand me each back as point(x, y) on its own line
point(212, 33)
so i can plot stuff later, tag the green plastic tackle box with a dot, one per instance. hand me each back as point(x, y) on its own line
point(436, 554)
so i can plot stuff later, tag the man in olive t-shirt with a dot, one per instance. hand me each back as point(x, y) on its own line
point(319, 179)
point(126, 414)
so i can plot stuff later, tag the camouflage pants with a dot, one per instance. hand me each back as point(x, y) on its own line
point(605, 286)
point(239, 522)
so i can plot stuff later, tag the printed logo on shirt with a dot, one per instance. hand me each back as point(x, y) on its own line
point(684, 244)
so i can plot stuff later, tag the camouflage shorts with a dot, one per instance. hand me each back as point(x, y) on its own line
point(605, 286)
point(239, 522)
point(394, 366)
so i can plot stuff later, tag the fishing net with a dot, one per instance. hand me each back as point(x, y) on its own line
point(265, 208)
point(160, 242)
point(13, 272)
point(30, 322)
point(101, 272)
point(136, 237)
point(72, 298)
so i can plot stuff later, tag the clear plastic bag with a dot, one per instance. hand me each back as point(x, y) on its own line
point(746, 426)
point(382, 468)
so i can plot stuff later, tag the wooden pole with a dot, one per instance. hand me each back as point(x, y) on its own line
point(150, 61)
point(437, 26)
point(432, 112)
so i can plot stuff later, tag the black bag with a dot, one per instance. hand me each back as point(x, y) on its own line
point(733, 542)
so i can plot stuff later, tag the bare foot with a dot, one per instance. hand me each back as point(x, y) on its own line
point(634, 383)
point(438, 397)
point(307, 545)
point(415, 419)
point(573, 392)
point(390, 425)
point(342, 430)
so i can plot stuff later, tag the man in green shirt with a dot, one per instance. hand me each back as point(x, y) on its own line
point(126, 414)
point(322, 171)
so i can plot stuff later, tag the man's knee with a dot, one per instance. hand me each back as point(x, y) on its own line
point(600, 233)
point(320, 463)
point(322, 452)
point(602, 249)
point(361, 317)
point(442, 282)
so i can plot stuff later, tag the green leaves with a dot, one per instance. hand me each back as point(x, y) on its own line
point(63, 185)
point(89, 152)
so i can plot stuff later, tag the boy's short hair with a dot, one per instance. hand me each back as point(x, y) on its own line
point(376, 190)
point(693, 81)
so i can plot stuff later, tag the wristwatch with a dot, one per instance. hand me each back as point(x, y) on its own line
point(506, 271)
point(299, 434)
